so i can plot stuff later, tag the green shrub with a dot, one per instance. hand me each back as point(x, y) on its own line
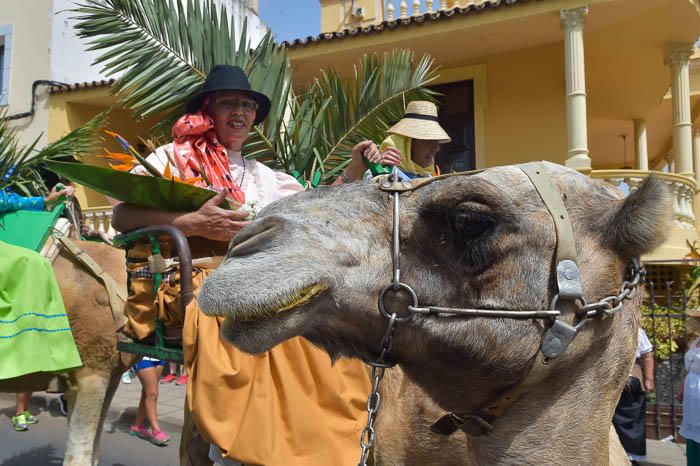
point(665, 343)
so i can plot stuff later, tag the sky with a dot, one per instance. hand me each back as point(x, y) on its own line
point(298, 19)
point(291, 19)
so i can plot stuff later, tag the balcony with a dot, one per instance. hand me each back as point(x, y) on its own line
point(99, 218)
point(410, 8)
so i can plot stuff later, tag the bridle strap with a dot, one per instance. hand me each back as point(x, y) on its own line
point(551, 197)
point(481, 422)
point(568, 286)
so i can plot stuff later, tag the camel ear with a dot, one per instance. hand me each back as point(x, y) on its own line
point(641, 222)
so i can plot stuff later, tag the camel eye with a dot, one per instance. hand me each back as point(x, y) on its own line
point(469, 225)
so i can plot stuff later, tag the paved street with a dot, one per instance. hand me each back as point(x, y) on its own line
point(44, 443)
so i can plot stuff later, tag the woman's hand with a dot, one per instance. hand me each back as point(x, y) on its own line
point(106, 237)
point(390, 156)
point(55, 194)
point(213, 222)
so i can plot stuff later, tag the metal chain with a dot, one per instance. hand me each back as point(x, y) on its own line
point(379, 366)
point(613, 304)
point(375, 398)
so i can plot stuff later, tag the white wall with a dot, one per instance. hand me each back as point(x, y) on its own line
point(71, 63)
point(27, 25)
point(240, 9)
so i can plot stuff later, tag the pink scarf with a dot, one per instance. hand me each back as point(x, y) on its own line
point(197, 152)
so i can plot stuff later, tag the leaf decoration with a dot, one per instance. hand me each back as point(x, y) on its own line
point(20, 167)
point(145, 191)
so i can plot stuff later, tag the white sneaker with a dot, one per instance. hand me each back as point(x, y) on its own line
point(126, 377)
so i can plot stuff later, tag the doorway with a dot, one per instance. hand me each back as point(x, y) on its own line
point(456, 115)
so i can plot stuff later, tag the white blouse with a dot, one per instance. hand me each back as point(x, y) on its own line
point(692, 357)
point(261, 184)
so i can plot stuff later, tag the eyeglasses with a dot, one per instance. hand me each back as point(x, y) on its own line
point(227, 104)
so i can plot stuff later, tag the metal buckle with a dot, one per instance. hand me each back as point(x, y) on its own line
point(558, 338)
point(469, 423)
point(157, 263)
point(569, 280)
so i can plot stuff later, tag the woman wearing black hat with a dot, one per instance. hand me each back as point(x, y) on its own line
point(253, 409)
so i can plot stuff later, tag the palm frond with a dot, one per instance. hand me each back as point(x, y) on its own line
point(322, 124)
point(12, 156)
point(163, 47)
point(369, 102)
point(82, 141)
point(20, 167)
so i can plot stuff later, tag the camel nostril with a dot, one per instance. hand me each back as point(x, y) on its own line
point(252, 237)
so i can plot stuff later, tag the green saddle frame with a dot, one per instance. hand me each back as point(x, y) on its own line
point(29, 228)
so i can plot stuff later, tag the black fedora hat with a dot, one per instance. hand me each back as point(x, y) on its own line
point(230, 78)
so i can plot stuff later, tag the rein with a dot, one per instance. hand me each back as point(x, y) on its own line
point(556, 338)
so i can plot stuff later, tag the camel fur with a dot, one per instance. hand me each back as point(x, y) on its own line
point(313, 265)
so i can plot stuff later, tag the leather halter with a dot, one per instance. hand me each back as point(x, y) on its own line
point(556, 338)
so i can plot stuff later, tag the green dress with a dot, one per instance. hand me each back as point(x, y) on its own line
point(35, 335)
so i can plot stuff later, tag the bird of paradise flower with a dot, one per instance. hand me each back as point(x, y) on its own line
point(126, 161)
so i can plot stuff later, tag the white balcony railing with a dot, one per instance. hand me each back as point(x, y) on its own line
point(99, 218)
point(682, 188)
point(408, 8)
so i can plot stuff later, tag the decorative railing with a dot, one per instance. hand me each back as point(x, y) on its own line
point(415, 7)
point(99, 218)
point(682, 188)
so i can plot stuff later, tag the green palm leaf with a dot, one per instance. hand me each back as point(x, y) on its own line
point(146, 191)
point(164, 48)
point(20, 166)
point(369, 102)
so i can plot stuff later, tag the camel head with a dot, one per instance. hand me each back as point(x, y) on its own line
point(313, 265)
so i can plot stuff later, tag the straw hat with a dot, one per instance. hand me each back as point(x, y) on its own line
point(420, 122)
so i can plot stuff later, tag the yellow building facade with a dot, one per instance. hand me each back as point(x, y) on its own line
point(609, 87)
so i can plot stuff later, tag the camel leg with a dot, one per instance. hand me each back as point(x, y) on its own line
point(618, 455)
point(112, 386)
point(86, 397)
point(194, 450)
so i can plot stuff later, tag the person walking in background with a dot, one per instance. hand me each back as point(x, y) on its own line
point(177, 374)
point(148, 370)
point(630, 414)
point(689, 394)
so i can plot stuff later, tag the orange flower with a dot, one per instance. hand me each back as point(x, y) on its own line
point(125, 167)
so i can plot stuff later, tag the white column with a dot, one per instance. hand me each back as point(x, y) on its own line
point(640, 145)
point(390, 10)
point(696, 155)
point(678, 57)
point(577, 125)
point(403, 9)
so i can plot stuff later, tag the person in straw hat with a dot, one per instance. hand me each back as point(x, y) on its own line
point(412, 145)
point(288, 406)
point(690, 393)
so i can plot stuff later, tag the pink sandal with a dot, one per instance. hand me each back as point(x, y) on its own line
point(139, 431)
point(160, 438)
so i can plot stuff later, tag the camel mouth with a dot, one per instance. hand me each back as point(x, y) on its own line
point(260, 309)
point(293, 300)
